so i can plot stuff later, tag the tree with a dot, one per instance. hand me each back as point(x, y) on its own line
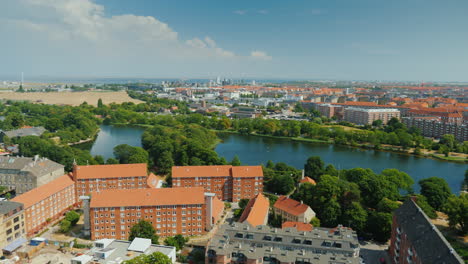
point(99, 159)
point(377, 123)
point(280, 184)
point(143, 229)
point(177, 241)
point(331, 213)
point(457, 211)
point(112, 161)
point(99, 103)
point(154, 258)
point(436, 191)
point(243, 203)
point(128, 154)
point(73, 217)
point(355, 216)
point(449, 141)
point(315, 222)
point(236, 161)
point(379, 225)
point(65, 226)
point(271, 165)
point(421, 201)
point(314, 167)
point(399, 178)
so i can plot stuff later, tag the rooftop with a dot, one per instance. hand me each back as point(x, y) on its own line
point(25, 131)
point(299, 226)
point(256, 211)
point(148, 197)
point(290, 206)
point(308, 180)
point(370, 110)
point(111, 171)
point(430, 245)
point(36, 166)
point(8, 206)
point(216, 171)
point(125, 250)
point(40, 193)
point(286, 245)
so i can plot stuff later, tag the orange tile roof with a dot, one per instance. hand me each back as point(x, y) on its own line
point(152, 181)
point(111, 171)
point(42, 192)
point(201, 171)
point(247, 171)
point(298, 225)
point(308, 180)
point(218, 208)
point(148, 197)
point(256, 211)
point(290, 206)
point(216, 171)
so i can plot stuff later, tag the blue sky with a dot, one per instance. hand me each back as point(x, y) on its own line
point(420, 40)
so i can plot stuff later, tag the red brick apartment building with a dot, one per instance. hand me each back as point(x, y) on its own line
point(171, 211)
point(93, 178)
point(415, 240)
point(229, 183)
point(47, 203)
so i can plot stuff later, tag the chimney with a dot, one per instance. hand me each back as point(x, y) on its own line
point(86, 208)
point(75, 170)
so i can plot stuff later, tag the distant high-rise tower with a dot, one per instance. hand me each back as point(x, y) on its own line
point(22, 78)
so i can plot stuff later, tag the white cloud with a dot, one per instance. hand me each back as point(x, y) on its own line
point(240, 12)
point(55, 36)
point(263, 11)
point(260, 55)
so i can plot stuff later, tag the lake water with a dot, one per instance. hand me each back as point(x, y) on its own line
point(111, 136)
point(253, 150)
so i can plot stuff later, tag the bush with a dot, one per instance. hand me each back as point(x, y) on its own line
point(65, 226)
point(73, 217)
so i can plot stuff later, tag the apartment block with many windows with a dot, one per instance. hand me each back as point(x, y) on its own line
point(47, 203)
point(363, 116)
point(12, 223)
point(171, 211)
point(229, 183)
point(94, 178)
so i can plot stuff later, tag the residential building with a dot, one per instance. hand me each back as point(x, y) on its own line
point(435, 127)
point(12, 223)
point(307, 179)
point(23, 174)
point(292, 210)
point(93, 178)
point(329, 110)
point(365, 116)
point(415, 239)
point(171, 211)
point(299, 226)
point(229, 183)
point(256, 211)
point(108, 251)
point(23, 132)
point(47, 203)
point(241, 243)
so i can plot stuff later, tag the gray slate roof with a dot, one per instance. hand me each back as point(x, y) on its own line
point(8, 206)
point(36, 166)
point(320, 246)
point(22, 132)
point(428, 242)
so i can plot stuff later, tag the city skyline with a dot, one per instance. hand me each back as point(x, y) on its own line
point(336, 40)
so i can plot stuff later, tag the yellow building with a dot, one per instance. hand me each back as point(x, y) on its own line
point(12, 227)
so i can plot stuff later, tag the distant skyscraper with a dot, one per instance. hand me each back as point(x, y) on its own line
point(254, 83)
point(218, 80)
